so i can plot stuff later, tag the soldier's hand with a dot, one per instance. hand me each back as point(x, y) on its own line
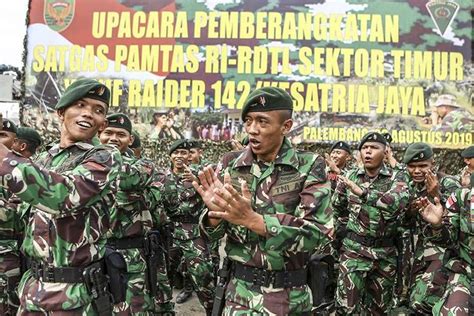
point(351, 185)
point(237, 208)
point(331, 164)
point(188, 175)
point(431, 213)
point(208, 184)
point(432, 184)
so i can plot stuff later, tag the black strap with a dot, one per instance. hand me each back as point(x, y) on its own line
point(262, 277)
point(185, 219)
point(48, 273)
point(371, 241)
point(126, 243)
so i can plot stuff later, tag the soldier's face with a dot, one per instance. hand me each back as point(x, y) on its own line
point(194, 155)
point(82, 120)
point(7, 138)
point(469, 162)
point(117, 137)
point(419, 169)
point(266, 131)
point(179, 158)
point(442, 111)
point(372, 154)
point(340, 157)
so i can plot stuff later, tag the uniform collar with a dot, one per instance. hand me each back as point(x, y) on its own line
point(385, 171)
point(55, 149)
point(287, 155)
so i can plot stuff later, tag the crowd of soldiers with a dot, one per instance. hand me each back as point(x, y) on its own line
point(90, 227)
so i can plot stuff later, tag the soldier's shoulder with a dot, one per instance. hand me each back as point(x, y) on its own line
point(231, 156)
point(104, 153)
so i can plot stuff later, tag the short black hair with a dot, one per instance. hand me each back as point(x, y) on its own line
point(31, 146)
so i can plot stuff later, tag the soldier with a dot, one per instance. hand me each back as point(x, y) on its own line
point(195, 153)
point(375, 196)
point(136, 146)
point(26, 142)
point(451, 225)
point(271, 202)
point(427, 280)
point(135, 214)
point(184, 206)
point(468, 156)
point(67, 192)
point(10, 232)
point(338, 161)
point(451, 116)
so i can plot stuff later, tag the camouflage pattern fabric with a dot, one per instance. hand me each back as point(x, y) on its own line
point(292, 193)
point(11, 229)
point(181, 199)
point(427, 279)
point(136, 212)
point(458, 120)
point(367, 274)
point(456, 233)
point(70, 191)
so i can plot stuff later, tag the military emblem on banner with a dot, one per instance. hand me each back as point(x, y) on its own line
point(442, 12)
point(58, 14)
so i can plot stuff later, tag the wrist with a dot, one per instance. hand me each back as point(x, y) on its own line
point(436, 226)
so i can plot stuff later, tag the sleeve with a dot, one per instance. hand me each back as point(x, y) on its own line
point(64, 193)
point(393, 200)
point(339, 202)
point(310, 225)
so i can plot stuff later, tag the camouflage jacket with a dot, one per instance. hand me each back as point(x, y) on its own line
point(425, 250)
point(11, 225)
point(68, 193)
point(293, 194)
point(457, 232)
point(459, 120)
point(181, 199)
point(137, 209)
point(378, 216)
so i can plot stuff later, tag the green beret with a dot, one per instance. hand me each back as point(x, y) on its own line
point(29, 134)
point(136, 141)
point(388, 137)
point(341, 145)
point(194, 143)
point(417, 152)
point(468, 152)
point(267, 99)
point(120, 120)
point(372, 137)
point(9, 126)
point(84, 88)
point(179, 144)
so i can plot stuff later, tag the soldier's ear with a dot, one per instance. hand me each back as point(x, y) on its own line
point(132, 138)
point(60, 114)
point(286, 127)
point(103, 126)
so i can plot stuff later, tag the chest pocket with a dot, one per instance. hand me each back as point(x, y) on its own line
point(286, 189)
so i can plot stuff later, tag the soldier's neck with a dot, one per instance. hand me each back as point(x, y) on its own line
point(372, 172)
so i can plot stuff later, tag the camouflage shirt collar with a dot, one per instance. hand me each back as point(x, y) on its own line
point(385, 171)
point(55, 149)
point(286, 156)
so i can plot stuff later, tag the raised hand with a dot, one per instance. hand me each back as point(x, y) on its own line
point(431, 213)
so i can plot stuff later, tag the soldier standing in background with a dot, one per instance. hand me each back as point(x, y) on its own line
point(10, 232)
point(26, 142)
point(375, 196)
point(427, 280)
point(183, 206)
point(270, 203)
point(465, 175)
point(452, 225)
point(136, 146)
point(451, 117)
point(134, 215)
point(68, 192)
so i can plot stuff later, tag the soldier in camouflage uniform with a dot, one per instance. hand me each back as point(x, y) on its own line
point(453, 117)
point(136, 146)
point(270, 204)
point(184, 206)
point(26, 142)
point(427, 280)
point(465, 175)
point(10, 232)
point(452, 225)
point(375, 196)
point(67, 192)
point(135, 214)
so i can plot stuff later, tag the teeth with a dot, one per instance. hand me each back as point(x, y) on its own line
point(84, 124)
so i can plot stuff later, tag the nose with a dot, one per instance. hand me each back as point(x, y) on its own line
point(87, 112)
point(251, 128)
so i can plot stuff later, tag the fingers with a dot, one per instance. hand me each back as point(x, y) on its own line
point(227, 179)
point(199, 189)
point(245, 189)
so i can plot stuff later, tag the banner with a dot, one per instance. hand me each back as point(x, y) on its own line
point(184, 68)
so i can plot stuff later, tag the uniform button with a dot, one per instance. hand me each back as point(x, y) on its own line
point(8, 177)
point(13, 163)
point(272, 247)
point(274, 229)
